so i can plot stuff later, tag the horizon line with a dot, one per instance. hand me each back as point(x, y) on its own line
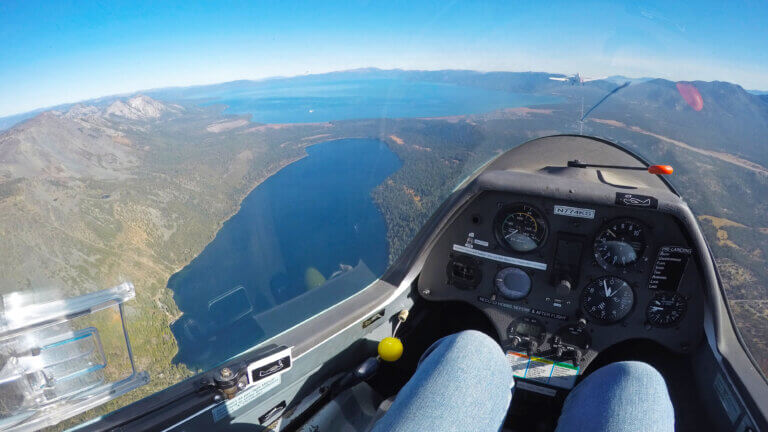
point(358, 69)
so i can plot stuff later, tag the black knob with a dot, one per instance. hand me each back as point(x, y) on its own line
point(581, 323)
point(563, 288)
point(516, 341)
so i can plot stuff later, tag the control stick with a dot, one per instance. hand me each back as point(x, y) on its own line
point(390, 349)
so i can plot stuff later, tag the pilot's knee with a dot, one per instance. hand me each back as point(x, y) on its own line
point(623, 393)
point(469, 342)
point(632, 373)
point(478, 342)
point(624, 377)
point(469, 347)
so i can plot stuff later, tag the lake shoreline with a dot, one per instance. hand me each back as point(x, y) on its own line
point(253, 264)
point(279, 167)
point(284, 163)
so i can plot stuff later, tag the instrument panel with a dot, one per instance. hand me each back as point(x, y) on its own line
point(566, 281)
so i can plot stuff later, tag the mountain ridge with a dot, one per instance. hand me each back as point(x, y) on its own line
point(83, 141)
point(528, 81)
point(94, 194)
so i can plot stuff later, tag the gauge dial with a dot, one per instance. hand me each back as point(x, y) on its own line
point(666, 309)
point(620, 244)
point(608, 299)
point(521, 228)
point(513, 283)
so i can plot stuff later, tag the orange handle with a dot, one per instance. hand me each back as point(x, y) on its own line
point(660, 169)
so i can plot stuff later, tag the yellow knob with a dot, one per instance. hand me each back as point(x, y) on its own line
point(390, 349)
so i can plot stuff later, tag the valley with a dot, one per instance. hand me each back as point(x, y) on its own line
point(135, 188)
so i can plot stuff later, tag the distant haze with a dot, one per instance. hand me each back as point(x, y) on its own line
point(58, 53)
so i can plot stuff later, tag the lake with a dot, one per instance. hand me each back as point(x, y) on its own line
point(310, 235)
point(304, 239)
point(305, 100)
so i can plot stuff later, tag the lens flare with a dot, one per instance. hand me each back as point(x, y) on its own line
point(691, 95)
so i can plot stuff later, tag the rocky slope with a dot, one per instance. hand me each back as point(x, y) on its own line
point(132, 190)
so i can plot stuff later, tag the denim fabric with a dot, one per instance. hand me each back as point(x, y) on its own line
point(620, 397)
point(463, 384)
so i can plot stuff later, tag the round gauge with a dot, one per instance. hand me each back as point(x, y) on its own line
point(513, 283)
point(608, 299)
point(521, 228)
point(620, 244)
point(666, 309)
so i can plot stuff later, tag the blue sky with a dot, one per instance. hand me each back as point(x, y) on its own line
point(57, 52)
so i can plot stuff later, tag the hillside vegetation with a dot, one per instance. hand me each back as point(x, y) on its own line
point(92, 197)
point(134, 188)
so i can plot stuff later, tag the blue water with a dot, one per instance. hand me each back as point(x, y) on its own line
point(301, 101)
point(309, 235)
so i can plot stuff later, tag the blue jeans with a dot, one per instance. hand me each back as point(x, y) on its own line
point(463, 383)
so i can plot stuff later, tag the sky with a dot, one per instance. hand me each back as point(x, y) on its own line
point(67, 51)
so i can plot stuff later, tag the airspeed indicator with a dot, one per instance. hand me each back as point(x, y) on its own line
point(521, 228)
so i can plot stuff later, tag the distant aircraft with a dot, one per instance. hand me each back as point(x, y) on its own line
point(575, 79)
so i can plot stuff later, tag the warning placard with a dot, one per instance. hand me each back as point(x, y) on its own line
point(563, 375)
point(518, 362)
point(542, 370)
point(539, 369)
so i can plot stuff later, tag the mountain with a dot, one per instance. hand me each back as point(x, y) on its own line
point(134, 187)
point(516, 82)
point(83, 141)
point(621, 79)
point(100, 103)
point(9, 121)
point(732, 120)
point(53, 145)
point(140, 107)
